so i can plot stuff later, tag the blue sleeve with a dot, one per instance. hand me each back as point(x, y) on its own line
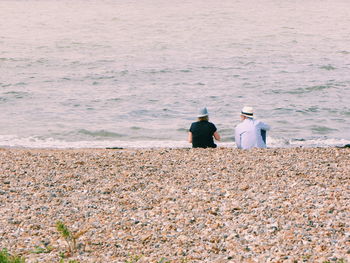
point(264, 126)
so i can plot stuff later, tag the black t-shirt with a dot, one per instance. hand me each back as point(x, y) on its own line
point(202, 134)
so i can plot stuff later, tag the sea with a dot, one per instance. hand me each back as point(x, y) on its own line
point(134, 73)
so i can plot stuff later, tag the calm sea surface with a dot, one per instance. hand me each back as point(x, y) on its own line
point(133, 73)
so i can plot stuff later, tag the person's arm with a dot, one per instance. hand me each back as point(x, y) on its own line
point(264, 126)
point(190, 137)
point(217, 136)
point(238, 138)
point(214, 131)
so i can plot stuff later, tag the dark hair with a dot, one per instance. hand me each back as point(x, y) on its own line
point(204, 118)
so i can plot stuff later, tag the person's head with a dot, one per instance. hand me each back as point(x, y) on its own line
point(247, 113)
point(203, 115)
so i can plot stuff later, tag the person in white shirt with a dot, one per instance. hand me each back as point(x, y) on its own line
point(250, 133)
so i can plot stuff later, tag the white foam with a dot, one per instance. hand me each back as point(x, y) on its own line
point(324, 142)
point(34, 142)
point(37, 142)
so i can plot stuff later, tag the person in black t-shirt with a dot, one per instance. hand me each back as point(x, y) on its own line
point(202, 132)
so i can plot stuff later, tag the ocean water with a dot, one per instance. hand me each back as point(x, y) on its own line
point(129, 73)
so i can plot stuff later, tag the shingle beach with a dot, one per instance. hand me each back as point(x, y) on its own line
point(177, 205)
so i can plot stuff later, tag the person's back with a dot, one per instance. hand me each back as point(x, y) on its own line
point(202, 132)
point(249, 133)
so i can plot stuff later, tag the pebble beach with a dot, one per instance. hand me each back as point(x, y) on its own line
point(177, 205)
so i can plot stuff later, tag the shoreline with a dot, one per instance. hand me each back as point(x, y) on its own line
point(164, 148)
point(92, 144)
point(199, 205)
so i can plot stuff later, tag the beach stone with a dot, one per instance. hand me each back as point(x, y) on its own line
point(200, 205)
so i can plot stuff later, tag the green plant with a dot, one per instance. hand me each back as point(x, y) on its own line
point(306, 257)
point(62, 256)
point(70, 237)
point(133, 259)
point(40, 250)
point(5, 257)
point(341, 260)
point(70, 261)
point(163, 260)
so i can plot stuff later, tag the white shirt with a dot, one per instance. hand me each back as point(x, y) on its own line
point(248, 134)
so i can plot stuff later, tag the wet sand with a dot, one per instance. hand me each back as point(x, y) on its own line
point(182, 205)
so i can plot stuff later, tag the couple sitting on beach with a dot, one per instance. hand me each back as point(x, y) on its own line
point(250, 133)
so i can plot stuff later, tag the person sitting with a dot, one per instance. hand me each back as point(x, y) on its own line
point(250, 133)
point(202, 132)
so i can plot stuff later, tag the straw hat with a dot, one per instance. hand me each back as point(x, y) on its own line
point(247, 111)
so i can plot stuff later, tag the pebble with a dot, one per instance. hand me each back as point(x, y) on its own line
point(199, 205)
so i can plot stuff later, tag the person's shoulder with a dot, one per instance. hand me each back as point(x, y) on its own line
point(257, 122)
point(196, 124)
point(240, 124)
point(211, 124)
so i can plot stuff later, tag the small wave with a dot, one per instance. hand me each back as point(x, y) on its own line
point(114, 99)
point(100, 133)
point(20, 84)
point(105, 60)
point(15, 95)
point(322, 129)
point(318, 142)
point(299, 90)
point(284, 110)
point(314, 88)
point(124, 72)
point(157, 71)
point(313, 109)
point(328, 67)
point(180, 84)
point(100, 77)
point(346, 113)
point(305, 142)
point(15, 59)
point(185, 70)
point(207, 67)
point(42, 61)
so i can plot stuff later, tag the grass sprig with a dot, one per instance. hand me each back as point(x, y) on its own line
point(5, 257)
point(69, 236)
